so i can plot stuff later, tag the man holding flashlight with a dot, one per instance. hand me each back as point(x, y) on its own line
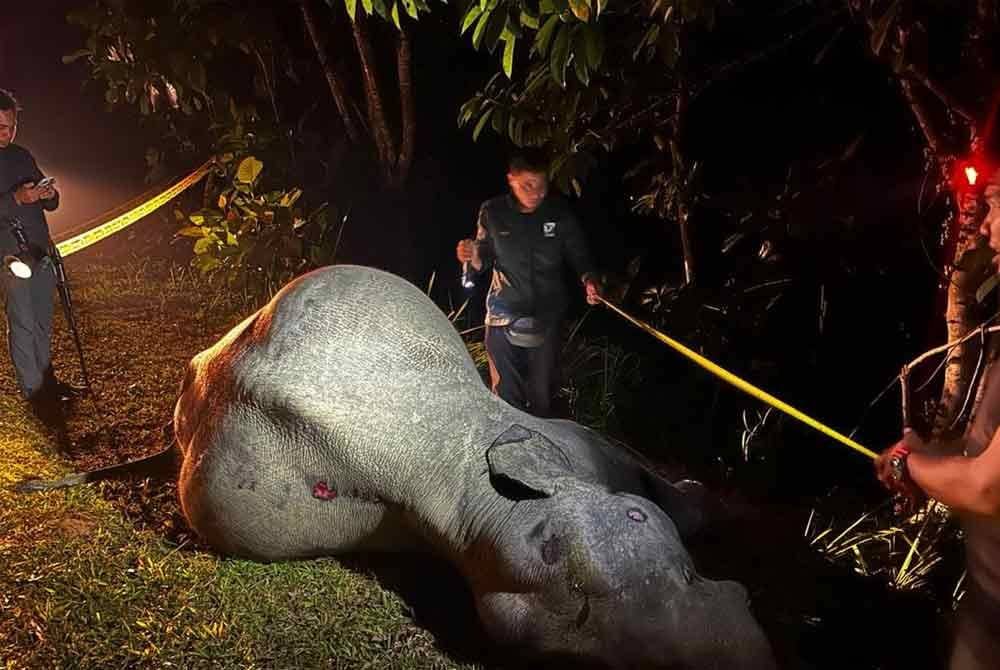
point(526, 237)
point(25, 196)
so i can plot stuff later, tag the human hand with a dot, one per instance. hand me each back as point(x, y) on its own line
point(468, 252)
point(593, 291)
point(28, 194)
point(46, 192)
point(891, 470)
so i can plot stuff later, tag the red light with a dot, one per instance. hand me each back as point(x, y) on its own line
point(971, 175)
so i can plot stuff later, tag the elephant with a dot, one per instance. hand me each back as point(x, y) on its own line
point(347, 415)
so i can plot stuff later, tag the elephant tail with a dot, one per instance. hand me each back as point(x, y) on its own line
point(162, 464)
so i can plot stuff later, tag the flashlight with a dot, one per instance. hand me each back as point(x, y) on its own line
point(14, 264)
point(467, 276)
point(17, 267)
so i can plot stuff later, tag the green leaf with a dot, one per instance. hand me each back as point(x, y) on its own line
point(580, 9)
point(411, 8)
point(477, 34)
point(544, 36)
point(529, 20)
point(206, 263)
point(290, 198)
point(559, 57)
point(191, 231)
point(352, 8)
point(498, 19)
point(470, 17)
point(248, 171)
point(367, 4)
point(482, 123)
point(203, 245)
point(395, 15)
point(580, 66)
point(593, 42)
point(508, 56)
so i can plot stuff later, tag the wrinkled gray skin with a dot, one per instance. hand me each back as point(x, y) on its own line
point(353, 377)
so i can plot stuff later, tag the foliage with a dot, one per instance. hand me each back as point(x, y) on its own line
point(386, 10)
point(906, 552)
point(196, 69)
point(596, 78)
point(256, 232)
point(595, 374)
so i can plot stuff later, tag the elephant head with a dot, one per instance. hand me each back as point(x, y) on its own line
point(589, 572)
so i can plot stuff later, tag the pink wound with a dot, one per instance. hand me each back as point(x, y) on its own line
point(323, 492)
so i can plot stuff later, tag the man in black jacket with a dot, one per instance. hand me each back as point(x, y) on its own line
point(24, 199)
point(526, 237)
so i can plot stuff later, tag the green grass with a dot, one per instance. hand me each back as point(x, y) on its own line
point(83, 586)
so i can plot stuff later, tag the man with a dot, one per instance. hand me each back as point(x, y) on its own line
point(965, 477)
point(23, 203)
point(526, 237)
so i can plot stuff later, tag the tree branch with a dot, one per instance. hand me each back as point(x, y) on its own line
point(336, 90)
point(944, 96)
point(384, 144)
point(408, 131)
point(934, 142)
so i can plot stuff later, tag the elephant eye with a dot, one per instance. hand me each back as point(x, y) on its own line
point(637, 515)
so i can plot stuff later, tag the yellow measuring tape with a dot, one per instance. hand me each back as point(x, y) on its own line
point(741, 384)
point(97, 233)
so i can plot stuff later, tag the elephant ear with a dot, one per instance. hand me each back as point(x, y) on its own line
point(525, 464)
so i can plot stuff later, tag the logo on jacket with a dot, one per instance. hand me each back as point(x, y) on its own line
point(549, 229)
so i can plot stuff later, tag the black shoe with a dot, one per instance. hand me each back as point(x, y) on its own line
point(65, 391)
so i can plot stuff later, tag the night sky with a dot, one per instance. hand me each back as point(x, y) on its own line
point(95, 156)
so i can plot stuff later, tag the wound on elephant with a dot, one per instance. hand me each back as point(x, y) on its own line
point(321, 491)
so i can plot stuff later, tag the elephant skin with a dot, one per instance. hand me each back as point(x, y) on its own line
point(347, 415)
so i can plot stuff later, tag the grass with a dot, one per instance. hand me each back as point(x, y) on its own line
point(107, 576)
point(906, 552)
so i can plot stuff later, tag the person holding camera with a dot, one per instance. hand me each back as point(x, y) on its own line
point(526, 237)
point(25, 196)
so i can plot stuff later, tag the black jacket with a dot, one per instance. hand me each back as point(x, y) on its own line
point(527, 254)
point(17, 167)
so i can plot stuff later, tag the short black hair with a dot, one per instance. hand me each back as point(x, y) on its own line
point(8, 102)
point(529, 159)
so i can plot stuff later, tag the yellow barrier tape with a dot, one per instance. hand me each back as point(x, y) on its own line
point(98, 233)
point(741, 384)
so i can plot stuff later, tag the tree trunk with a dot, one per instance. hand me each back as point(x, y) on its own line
point(970, 268)
point(336, 89)
point(384, 144)
point(408, 126)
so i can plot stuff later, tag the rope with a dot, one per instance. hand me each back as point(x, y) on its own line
point(741, 384)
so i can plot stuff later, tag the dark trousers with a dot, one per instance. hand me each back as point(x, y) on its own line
point(29, 325)
point(523, 376)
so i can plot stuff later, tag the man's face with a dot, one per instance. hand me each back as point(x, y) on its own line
point(528, 188)
point(991, 224)
point(8, 127)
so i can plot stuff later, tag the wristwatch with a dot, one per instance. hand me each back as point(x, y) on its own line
point(898, 463)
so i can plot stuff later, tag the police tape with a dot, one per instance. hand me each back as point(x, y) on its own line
point(95, 234)
point(741, 384)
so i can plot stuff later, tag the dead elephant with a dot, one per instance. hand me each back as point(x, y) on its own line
point(346, 415)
